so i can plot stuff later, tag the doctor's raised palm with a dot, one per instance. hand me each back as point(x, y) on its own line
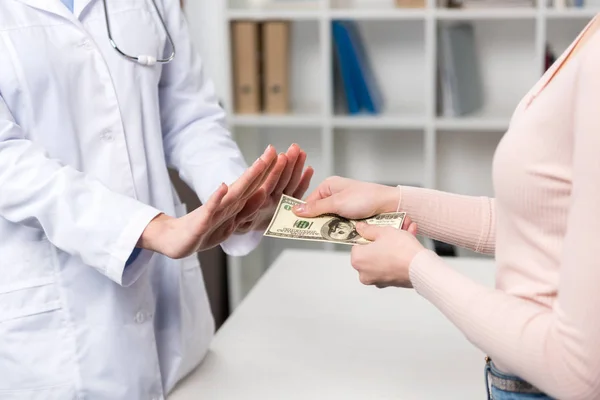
point(287, 177)
point(247, 204)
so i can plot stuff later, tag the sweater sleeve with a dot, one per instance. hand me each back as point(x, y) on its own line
point(556, 349)
point(464, 221)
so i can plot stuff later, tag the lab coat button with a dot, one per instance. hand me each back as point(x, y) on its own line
point(107, 136)
point(139, 318)
point(86, 44)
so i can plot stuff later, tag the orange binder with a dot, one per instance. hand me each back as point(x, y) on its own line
point(246, 66)
point(275, 67)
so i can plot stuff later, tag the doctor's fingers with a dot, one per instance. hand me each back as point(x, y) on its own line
point(271, 161)
point(218, 234)
point(296, 175)
point(251, 207)
point(213, 204)
point(304, 183)
point(203, 218)
point(292, 155)
point(241, 189)
point(275, 174)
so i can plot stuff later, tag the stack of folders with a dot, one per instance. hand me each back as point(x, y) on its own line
point(260, 66)
point(354, 72)
point(460, 90)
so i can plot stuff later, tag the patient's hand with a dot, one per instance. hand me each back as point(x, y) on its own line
point(352, 199)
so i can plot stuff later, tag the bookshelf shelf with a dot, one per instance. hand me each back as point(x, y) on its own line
point(409, 141)
point(267, 14)
point(498, 124)
point(379, 122)
point(486, 14)
point(584, 13)
point(283, 121)
point(394, 14)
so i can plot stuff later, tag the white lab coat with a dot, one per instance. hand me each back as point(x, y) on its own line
point(85, 140)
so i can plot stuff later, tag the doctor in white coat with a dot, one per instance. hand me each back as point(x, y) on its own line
point(101, 294)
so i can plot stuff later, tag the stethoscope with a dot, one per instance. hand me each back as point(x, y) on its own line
point(142, 59)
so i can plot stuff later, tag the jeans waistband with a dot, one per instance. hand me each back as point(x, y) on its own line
point(507, 383)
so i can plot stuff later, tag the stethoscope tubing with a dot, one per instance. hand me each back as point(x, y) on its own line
point(141, 59)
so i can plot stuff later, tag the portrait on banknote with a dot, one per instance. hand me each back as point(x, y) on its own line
point(339, 229)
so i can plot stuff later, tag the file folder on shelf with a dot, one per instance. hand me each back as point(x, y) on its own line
point(246, 66)
point(275, 81)
point(459, 73)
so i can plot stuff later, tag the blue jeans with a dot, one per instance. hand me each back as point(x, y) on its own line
point(500, 386)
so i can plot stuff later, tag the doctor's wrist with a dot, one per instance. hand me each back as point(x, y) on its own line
point(154, 237)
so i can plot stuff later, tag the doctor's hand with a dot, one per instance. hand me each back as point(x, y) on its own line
point(213, 222)
point(351, 199)
point(287, 177)
point(386, 260)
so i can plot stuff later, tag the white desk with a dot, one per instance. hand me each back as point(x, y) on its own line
point(310, 330)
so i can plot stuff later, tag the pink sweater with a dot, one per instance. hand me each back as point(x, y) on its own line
point(542, 321)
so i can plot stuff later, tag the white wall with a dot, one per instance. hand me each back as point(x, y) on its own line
point(205, 18)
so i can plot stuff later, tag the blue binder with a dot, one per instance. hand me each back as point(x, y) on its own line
point(344, 62)
point(360, 86)
point(368, 91)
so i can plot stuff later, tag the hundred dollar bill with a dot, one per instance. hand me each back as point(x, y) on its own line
point(324, 228)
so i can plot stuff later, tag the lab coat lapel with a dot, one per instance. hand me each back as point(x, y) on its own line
point(51, 6)
point(80, 6)
point(58, 8)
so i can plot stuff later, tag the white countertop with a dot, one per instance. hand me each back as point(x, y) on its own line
point(310, 330)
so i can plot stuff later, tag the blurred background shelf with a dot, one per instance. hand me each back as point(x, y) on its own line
point(472, 124)
point(382, 13)
point(570, 13)
point(410, 53)
point(486, 14)
point(264, 15)
point(282, 121)
point(379, 122)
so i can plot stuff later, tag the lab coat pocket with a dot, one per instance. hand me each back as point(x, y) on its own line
point(27, 282)
point(36, 360)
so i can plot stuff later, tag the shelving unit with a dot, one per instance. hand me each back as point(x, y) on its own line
point(408, 143)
